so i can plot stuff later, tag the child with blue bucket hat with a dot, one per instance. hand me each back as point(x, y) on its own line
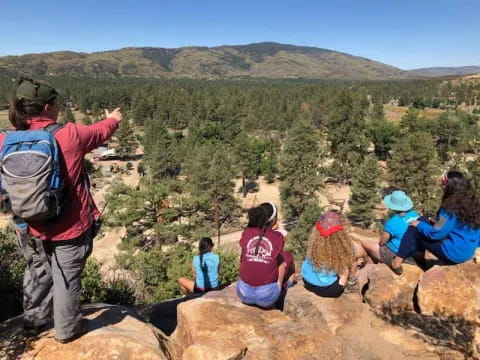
point(403, 214)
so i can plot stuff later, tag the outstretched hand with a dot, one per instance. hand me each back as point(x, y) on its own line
point(115, 114)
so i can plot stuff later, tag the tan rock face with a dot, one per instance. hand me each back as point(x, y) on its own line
point(450, 298)
point(218, 326)
point(451, 291)
point(325, 313)
point(208, 327)
point(389, 293)
point(114, 333)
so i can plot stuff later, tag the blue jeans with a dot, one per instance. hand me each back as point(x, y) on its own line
point(264, 296)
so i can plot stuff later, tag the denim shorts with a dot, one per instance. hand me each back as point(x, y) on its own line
point(264, 296)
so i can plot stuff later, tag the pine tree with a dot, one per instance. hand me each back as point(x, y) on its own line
point(365, 191)
point(161, 151)
point(68, 115)
point(300, 169)
point(209, 173)
point(248, 154)
point(297, 240)
point(348, 144)
point(378, 113)
point(409, 121)
point(126, 143)
point(382, 134)
point(414, 168)
point(87, 120)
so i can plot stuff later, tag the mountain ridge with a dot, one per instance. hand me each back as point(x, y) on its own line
point(446, 70)
point(257, 60)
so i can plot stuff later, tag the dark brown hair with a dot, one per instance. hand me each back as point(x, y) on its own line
point(20, 110)
point(258, 217)
point(460, 199)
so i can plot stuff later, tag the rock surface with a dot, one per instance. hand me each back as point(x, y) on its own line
point(389, 293)
point(449, 298)
point(115, 332)
point(218, 326)
point(442, 304)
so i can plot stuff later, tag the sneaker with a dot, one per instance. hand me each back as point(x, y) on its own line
point(398, 270)
point(352, 286)
point(291, 283)
point(82, 330)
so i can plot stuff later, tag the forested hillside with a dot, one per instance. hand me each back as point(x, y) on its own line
point(260, 60)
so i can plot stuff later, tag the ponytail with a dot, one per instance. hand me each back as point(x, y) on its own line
point(20, 110)
point(261, 217)
point(205, 245)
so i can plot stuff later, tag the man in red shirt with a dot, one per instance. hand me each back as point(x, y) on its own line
point(52, 282)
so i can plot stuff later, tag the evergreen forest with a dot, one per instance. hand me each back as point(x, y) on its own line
point(197, 137)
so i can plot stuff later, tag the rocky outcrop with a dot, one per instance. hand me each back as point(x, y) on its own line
point(449, 299)
point(389, 293)
point(442, 304)
point(218, 326)
point(115, 332)
point(430, 315)
point(323, 313)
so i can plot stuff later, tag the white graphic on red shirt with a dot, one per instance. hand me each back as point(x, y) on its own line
point(264, 253)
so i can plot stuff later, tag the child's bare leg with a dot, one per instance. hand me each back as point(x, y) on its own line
point(373, 249)
point(343, 278)
point(186, 285)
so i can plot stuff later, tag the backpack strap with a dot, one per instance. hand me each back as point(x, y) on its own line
point(53, 128)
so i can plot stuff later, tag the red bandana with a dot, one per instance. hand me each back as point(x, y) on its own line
point(329, 223)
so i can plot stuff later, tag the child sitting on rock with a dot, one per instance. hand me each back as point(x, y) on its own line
point(330, 260)
point(387, 248)
point(204, 270)
point(262, 266)
point(455, 234)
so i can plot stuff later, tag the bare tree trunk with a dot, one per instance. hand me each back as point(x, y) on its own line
point(217, 218)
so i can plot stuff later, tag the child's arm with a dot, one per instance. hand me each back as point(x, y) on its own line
point(193, 272)
point(440, 230)
point(281, 274)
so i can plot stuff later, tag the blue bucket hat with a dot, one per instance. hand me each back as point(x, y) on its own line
point(398, 201)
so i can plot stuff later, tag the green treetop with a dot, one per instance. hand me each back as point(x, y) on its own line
point(300, 169)
point(365, 191)
point(414, 167)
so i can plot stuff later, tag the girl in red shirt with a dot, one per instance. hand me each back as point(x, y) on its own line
point(262, 267)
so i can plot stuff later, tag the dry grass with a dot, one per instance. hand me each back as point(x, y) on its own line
point(4, 123)
point(395, 113)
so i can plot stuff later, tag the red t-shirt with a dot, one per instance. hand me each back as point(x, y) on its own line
point(260, 269)
point(74, 140)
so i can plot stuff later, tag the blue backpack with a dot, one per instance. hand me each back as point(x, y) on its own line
point(31, 183)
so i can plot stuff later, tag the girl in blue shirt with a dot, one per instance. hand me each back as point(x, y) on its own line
point(455, 235)
point(386, 249)
point(204, 270)
point(330, 258)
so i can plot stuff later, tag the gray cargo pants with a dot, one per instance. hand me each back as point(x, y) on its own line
point(55, 287)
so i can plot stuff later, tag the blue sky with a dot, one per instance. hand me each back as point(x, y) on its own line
point(403, 33)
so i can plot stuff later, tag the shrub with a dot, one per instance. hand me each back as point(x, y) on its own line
point(12, 267)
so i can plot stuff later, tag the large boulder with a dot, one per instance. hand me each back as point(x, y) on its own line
point(389, 294)
point(449, 298)
point(220, 327)
point(115, 332)
point(217, 326)
point(323, 313)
